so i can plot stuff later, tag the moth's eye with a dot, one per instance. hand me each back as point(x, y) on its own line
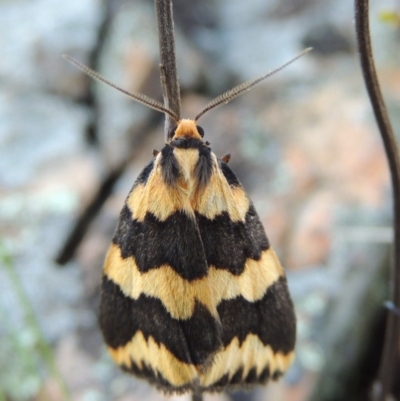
point(171, 132)
point(200, 131)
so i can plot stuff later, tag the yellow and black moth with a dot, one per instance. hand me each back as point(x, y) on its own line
point(193, 297)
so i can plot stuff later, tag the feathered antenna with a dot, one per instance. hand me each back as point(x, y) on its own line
point(245, 86)
point(139, 97)
point(156, 105)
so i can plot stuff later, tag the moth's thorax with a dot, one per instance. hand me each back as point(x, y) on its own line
point(187, 160)
point(187, 128)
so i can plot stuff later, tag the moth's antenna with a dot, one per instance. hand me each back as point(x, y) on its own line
point(139, 97)
point(237, 90)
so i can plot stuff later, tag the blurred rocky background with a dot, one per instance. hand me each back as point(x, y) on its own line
point(304, 144)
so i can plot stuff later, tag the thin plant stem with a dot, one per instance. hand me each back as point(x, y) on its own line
point(197, 397)
point(168, 67)
point(45, 350)
point(21, 354)
point(392, 331)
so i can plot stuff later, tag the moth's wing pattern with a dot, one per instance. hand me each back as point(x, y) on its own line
point(251, 293)
point(193, 296)
point(153, 323)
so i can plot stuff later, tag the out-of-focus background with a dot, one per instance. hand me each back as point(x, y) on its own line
point(304, 144)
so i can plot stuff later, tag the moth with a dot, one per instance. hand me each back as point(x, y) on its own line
point(193, 297)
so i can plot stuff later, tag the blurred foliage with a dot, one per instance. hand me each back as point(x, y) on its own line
point(26, 358)
point(390, 17)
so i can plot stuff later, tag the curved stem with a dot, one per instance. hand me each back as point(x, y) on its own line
point(392, 333)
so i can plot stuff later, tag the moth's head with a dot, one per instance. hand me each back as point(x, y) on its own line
point(186, 128)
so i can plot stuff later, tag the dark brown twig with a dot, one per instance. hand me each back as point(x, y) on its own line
point(92, 209)
point(90, 98)
point(168, 68)
point(390, 349)
point(82, 224)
